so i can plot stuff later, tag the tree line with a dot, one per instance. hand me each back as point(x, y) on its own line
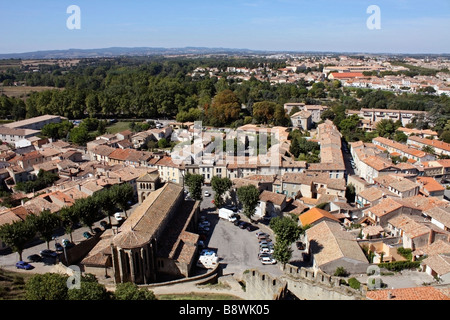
point(86, 211)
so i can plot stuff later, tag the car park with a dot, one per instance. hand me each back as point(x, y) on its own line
point(24, 265)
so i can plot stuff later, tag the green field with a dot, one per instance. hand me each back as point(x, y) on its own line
point(22, 91)
point(118, 127)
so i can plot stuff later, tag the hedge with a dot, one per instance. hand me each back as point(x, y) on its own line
point(400, 265)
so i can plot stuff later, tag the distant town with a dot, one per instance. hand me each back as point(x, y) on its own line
point(255, 176)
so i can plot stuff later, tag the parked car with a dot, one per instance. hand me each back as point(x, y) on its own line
point(266, 243)
point(262, 255)
point(243, 224)
point(204, 223)
point(265, 250)
point(251, 227)
point(87, 235)
point(300, 245)
point(59, 247)
point(34, 258)
point(207, 194)
point(118, 216)
point(66, 243)
point(48, 253)
point(104, 224)
point(237, 222)
point(24, 265)
point(262, 234)
point(207, 252)
point(267, 260)
point(97, 230)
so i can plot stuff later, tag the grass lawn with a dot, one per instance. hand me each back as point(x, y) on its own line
point(197, 296)
point(118, 127)
point(12, 285)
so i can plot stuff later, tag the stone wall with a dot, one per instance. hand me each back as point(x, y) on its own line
point(301, 282)
point(261, 286)
point(305, 284)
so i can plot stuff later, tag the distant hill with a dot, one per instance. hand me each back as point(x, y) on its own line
point(123, 51)
point(149, 51)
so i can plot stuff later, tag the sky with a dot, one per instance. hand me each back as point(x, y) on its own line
point(406, 26)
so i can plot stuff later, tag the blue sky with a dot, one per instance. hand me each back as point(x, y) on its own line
point(407, 26)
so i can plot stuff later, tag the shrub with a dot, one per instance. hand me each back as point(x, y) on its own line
point(340, 272)
point(406, 253)
point(354, 283)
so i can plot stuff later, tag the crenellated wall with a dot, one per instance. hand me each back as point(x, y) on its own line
point(304, 283)
point(261, 286)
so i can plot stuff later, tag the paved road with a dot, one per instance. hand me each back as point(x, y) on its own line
point(8, 260)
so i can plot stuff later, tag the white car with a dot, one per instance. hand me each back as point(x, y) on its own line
point(207, 194)
point(266, 250)
point(118, 216)
point(267, 260)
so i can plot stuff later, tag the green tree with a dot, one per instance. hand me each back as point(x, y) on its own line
point(17, 235)
point(162, 143)
point(122, 195)
point(47, 286)
point(46, 223)
point(88, 211)
point(89, 290)
point(263, 112)
point(79, 135)
point(220, 186)
point(285, 229)
point(70, 218)
point(249, 197)
point(130, 291)
point(195, 183)
point(106, 202)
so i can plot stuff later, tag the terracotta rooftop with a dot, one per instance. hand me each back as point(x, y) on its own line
point(329, 242)
point(146, 219)
point(275, 198)
point(415, 293)
point(410, 226)
point(315, 214)
point(430, 184)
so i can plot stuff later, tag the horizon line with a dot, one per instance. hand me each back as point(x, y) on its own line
point(259, 51)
